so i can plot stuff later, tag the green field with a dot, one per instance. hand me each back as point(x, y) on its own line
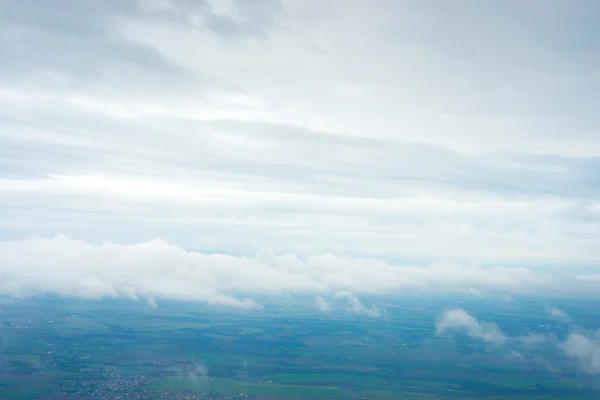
point(85, 348)
point(231, 386)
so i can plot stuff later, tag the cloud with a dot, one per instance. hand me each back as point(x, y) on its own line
point(199, 371)
point(352, 305)
point(357, 307)
point(116, 126)
point(460, 320)
point(158, 269)
point(557, 313)
point(516, 356)
point(534, 340)
point(322, 304)
point(585, 349)
point(194, 372)
point(581, 347)
point(151, 302)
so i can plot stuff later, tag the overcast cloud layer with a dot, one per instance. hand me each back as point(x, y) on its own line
point(396, 130)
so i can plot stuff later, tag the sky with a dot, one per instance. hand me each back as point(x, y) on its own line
point(268, 146)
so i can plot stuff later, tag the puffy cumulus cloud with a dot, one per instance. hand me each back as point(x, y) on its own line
point(115, 125)
point(585, 349)
point(460, 320)
point(158, 269)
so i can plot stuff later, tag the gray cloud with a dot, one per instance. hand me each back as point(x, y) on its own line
point(427, 184)
point(75, 40)
point(231, 125)
point(585, 349)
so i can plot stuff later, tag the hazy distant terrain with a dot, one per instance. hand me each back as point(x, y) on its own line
point(412, 348)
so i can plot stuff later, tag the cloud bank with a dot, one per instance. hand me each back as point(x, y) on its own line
point(157, 270)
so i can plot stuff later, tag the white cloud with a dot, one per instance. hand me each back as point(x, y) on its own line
point(294, 219)
point(457, 319)
point(323, 304)
point(534, 340)
point(151, 302)
point(557, 313)
point(357, 307)
point(585, 349)
point(159, 269)
point(516, 356)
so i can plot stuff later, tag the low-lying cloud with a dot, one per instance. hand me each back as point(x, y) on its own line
point(557, 313)
point(357, 307)
point(158, 270)
point(459, 320)
point(581, 347)
point(347, 301)
point(585, 349)
point(534, 340)
point(323, 304)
